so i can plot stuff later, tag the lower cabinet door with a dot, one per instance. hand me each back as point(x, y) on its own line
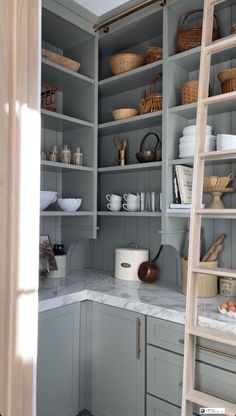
point(58, 362)
point(118, 380)
point(156, 407)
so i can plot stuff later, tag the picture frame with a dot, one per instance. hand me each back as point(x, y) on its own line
point(47, 261)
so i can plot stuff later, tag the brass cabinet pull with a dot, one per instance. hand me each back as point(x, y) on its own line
point(138, 335)
point(201, 347)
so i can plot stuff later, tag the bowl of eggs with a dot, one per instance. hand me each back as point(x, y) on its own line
point(228, 308)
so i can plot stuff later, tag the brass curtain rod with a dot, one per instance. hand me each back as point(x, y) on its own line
point(105, 25)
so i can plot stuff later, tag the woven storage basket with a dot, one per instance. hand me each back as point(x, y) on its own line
point(227, 79)
point(233, 29)
point(48, 97)
point(153, 102)
point(61, 60)
point(191, 36)
point(153, 54)
point(124, 113)
point(124, 62)
point(189, 92)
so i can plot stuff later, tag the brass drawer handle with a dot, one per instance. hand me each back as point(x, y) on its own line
point(138, 335)
point(201, 347)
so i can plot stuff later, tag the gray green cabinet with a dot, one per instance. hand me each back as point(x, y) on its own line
point(215, 366)
point(118, 362)
point(58, 362)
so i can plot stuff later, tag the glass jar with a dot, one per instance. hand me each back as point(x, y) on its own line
point(54, 153)
point(66, 154)
point(78, 157)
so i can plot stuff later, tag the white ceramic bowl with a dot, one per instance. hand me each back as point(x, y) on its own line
point(190, 139)
point(191, 130)
point(69, 204)
point(47, 198)
point(226, 141)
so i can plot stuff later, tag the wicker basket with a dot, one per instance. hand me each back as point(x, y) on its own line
point(124, 113)
point(61, 60)
point(227, 79)
point(48, 97)
point(189, 92)
point(124, 62)
point(153, 102)
point(233, 29)
point(191, 36)
point(153, 54)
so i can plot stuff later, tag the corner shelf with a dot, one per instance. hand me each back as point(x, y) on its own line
point(46, 164)
point(178, 213)
point(132, 123)
point(130, 168)
point(66, 213)
point(61, 122)
point(182, 161)
point(128, 214)
point(63, 78)
point(122, 82)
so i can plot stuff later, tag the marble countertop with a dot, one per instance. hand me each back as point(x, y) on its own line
point(156, 299)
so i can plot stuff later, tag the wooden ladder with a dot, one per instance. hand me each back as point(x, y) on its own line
point(190, 395)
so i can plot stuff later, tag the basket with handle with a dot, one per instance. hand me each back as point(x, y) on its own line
point(191, 36)
point(153, 102)
point(227, 79)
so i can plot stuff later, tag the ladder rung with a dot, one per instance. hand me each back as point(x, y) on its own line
point(213, 335)
point(217, 271)
point(218, 154)
point(221, 45)
point(220, 98)
point(226, 213)
point(207, 400)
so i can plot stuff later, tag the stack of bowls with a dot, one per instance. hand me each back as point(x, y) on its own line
point(225, 141)
point(187, 142)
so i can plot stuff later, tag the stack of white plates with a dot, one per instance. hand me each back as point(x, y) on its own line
point(226, 141)
point(187, 142)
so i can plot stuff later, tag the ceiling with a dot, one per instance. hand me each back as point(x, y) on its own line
point(100, 7)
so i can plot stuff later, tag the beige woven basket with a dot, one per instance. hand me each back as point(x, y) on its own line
point(154, 53)
point(124, 113)
point(124, 62)
point(153, 101)
point(191, 36)
point(189, 92)
point(61, 60)
point(227, 79)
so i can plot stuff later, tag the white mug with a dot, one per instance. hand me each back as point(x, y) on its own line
point(114, 206)
point(130, 207)
point(113, 197)
point(130, 197)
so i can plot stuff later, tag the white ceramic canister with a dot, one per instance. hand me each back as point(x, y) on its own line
point(127, 262)
point(227, 286)
point(61, 265)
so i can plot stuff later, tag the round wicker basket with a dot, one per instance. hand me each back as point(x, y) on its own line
point(124, 113)
point(189, 92)
point(124, 62)
point(227, 79)
point(154, 53)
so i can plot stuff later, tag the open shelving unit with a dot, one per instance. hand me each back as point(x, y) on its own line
point(73, 123)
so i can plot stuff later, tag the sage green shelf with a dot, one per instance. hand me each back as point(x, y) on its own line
point(66, 213)
point(128, 214)
point(46, 164)
point(132, 123)
point(130, 168)
point(61, 122)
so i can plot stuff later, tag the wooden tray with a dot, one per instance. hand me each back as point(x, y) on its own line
point(61, 60)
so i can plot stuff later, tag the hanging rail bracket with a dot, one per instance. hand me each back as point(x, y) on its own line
point(105, 26)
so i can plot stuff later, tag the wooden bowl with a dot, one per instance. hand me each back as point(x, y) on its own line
point(124, 113)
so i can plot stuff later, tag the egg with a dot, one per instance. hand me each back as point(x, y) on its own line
point(223, 306)
point(231, 308)
point(230, 303)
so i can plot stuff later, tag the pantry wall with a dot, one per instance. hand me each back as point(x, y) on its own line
point(85, 103)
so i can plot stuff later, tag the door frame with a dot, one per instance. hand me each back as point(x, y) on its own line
point(20, 29)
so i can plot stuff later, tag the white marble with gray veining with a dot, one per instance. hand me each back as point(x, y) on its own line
point(156, 300)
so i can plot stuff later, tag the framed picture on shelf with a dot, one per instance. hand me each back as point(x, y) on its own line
point(47, 262)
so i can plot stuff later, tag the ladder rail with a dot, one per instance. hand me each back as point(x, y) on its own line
point(189, 392)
